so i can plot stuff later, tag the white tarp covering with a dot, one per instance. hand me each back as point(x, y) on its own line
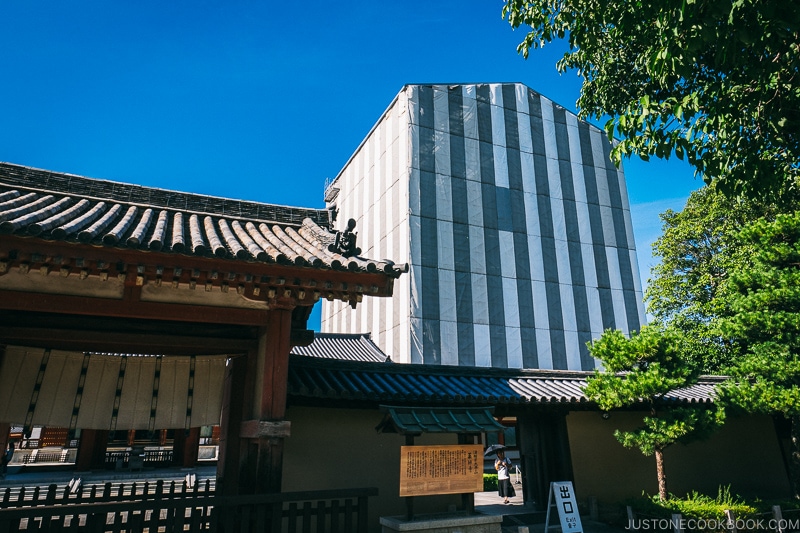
point(73, 390)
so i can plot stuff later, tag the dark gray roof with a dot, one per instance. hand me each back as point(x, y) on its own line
point(347, 346)
point(64, 207)
point(417, 420)
point(329, 379)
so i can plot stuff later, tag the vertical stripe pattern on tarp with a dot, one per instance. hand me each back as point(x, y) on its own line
point(579, 323)
point(515, 221)
point(491, 229)
point(603, 293)
point(542, 128)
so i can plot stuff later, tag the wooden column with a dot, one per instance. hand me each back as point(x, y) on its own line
point(253, 427)
point(233, 403)
point(273, 365)
point(5, 430)
point(92, 450)
point(186, 447)
point(5, 427)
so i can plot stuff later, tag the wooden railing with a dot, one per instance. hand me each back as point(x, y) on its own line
point(334, 511)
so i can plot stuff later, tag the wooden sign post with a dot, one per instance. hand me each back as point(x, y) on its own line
point(567, 506)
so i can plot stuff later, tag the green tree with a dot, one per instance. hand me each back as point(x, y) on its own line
point(698, 251)
point(765, 300)
point(638, 372)
point(716, 82)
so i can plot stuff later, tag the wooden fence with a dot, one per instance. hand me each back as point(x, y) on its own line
point(198, 509)
point(106, 492)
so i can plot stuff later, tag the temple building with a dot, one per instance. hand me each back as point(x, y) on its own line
point(515, 223)
point(135, 309)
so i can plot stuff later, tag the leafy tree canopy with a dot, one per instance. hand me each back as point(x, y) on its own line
point(715, 82)
point(699, 249)
point(765, 301)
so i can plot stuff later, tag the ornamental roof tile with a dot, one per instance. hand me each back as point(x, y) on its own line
point(65, 207)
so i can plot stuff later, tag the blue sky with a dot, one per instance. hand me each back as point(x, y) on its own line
point(256, 100)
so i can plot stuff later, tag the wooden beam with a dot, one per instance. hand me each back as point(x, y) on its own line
point(13, 249)
point(81, 305)
point(113, 341)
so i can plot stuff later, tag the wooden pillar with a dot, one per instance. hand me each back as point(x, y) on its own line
point(5, 431)
point(253, 425)
point(5, 427)
point(186, 447)
point(233, 403)
point(273, 368)
point(92, 449)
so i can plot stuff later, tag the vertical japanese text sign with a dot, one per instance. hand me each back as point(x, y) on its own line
point(567, 507)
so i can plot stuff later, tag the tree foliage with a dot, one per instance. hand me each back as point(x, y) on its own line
point(765, 300)
point(699, 250)
point(638, 372)
point(715, 82)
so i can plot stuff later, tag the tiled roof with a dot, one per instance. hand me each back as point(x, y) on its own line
point(702, 392)
point(398, 383)
point(64, 207)
point(418, 420)
point(347, 346)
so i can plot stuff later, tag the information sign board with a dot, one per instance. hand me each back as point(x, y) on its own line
point(427, 470)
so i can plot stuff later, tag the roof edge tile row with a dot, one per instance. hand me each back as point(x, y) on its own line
point(337, 379)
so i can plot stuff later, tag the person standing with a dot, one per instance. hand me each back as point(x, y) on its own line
point(503, 465)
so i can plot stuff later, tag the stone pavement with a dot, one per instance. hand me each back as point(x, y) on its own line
point(517, 515)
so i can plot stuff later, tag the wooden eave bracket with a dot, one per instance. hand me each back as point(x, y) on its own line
point(258, 429)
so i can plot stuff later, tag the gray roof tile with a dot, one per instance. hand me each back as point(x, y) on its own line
point(64, 207)
point(346, 346)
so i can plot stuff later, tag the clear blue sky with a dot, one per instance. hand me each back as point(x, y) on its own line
point(256, 100)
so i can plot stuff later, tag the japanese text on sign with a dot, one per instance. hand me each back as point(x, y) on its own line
point(428, 470)
point(567, 507)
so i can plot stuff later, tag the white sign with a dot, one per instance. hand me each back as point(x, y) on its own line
point(567, 507)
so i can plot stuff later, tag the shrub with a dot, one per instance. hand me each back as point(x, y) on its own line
point(489, 482)
point(694, 506)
